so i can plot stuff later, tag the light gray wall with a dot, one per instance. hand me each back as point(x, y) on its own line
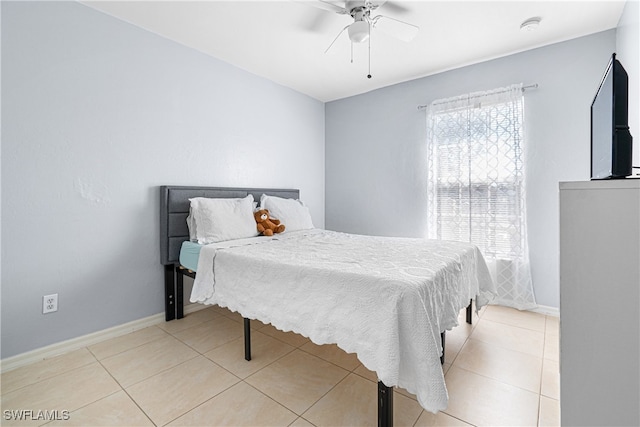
point(627, 36)
point(376, 170)
point(96, 114)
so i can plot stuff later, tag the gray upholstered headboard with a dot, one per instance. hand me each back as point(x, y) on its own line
point(174, 209)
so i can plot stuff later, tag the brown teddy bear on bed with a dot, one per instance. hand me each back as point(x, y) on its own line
point(267, 226)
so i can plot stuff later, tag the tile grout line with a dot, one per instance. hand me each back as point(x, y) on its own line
point(511, 349)
point(320, 398)
point(272, 399)
point(505, 348)
point(53, 376)
point(328, 391)
point(147, 415)
point(127, 393)
point(202, 403)
point(544, 345)
point(131, 348)
point(107, 395)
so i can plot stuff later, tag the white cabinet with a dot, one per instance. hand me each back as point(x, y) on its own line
point(600, 303)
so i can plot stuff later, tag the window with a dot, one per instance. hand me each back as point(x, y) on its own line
point(476, 184)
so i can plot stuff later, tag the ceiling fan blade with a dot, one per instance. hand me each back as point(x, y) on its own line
point(373, 5)
point(327, 5)
point(334, 40)
point(317, 23)
point(315, 20)
point(395, 28)
point(389, 6)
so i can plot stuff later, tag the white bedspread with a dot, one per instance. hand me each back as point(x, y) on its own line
point(385, 299)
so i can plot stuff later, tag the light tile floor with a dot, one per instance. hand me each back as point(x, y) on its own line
point(502, 370)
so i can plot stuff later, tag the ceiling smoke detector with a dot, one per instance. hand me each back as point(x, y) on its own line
point(531, 24)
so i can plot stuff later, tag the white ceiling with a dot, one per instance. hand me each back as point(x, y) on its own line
point(284, 41)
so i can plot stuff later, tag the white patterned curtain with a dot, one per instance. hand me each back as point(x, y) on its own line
point(476, 184)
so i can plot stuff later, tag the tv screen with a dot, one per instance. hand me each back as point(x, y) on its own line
point(610, 137)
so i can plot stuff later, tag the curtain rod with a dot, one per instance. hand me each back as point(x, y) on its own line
point(531, 86)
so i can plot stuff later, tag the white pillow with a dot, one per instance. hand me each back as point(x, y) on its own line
point(191, 225)
point(292, 213)
point(218, 220)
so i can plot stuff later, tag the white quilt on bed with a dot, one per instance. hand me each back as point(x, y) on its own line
point(385, 299)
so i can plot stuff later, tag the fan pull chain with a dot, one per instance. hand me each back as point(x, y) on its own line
point(369, 75)
point(352, 52)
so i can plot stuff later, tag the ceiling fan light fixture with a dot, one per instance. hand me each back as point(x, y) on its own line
point(359, 31)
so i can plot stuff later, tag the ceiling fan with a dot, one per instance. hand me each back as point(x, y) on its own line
point(363, 23)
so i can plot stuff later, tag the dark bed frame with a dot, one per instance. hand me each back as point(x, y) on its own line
point(174, 209)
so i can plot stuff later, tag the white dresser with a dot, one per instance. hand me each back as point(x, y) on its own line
point(600, 303)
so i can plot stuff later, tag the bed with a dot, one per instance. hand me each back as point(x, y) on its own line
point(366, 294)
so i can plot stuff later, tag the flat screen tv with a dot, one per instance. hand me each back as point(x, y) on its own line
point(610, 138)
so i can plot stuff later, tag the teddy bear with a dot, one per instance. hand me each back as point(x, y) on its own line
point(267, 225)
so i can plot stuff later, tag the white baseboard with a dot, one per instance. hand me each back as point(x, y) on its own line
point(549, 311)
point(67, 346)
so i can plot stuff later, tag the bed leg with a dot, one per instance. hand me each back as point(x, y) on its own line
point(470, 312)
point(169, 293)
point(385, 405)
point(179, 294)
point(247, 339)
point(442, 335)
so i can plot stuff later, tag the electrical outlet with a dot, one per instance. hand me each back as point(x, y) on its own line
point(49, 303)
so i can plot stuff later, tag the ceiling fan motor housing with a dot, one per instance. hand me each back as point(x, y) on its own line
point(359, 5)
point(359, 31)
